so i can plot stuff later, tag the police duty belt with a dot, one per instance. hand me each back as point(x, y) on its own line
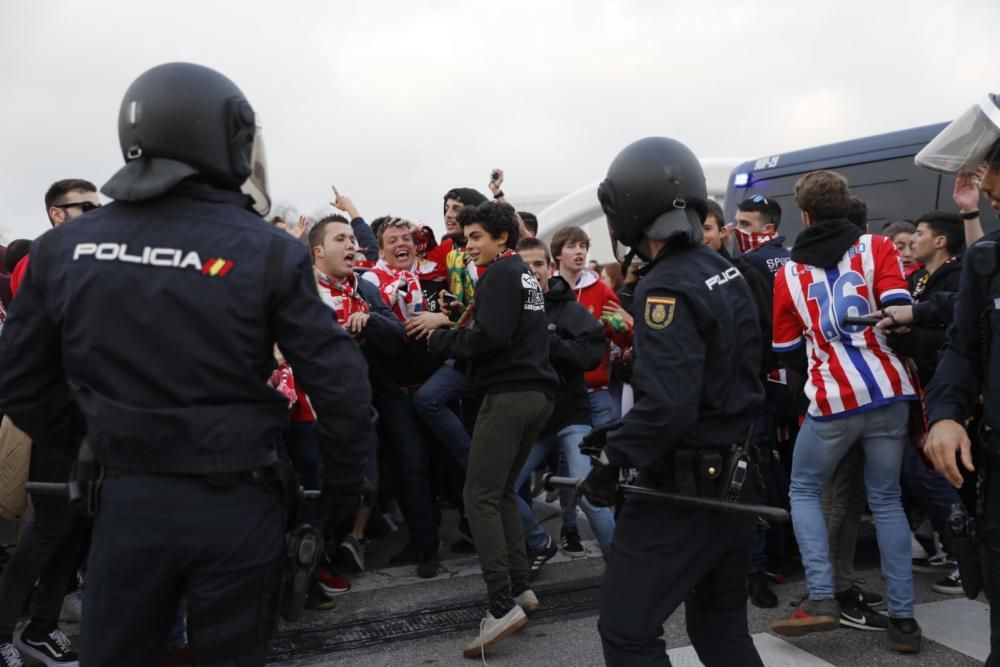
point(553, 483)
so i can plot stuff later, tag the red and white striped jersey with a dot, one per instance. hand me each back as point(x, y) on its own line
point(851, 368)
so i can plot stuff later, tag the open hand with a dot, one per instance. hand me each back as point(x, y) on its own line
point(946, 442)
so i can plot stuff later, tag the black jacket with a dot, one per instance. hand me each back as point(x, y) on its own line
point(923, 343)
point(961, 368)
point(769, 258)
point(507, 343)
point(383, 338)
point(576, 345)
point(162, 316)
point(693, 386)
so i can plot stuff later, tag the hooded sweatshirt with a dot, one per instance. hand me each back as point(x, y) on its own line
point(593, 294)
point(576, 345)
point(836, 271)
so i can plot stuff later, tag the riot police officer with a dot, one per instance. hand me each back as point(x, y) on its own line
point(970, 361)
point(149, 326)
point(696, 395)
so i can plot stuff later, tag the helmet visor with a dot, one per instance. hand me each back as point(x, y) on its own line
point(256, 185)
point(966, 142)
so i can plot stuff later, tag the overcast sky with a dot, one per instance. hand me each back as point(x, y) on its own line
point(396, 102)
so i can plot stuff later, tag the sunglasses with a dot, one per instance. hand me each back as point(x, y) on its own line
point(85, 206)
point(758, 199)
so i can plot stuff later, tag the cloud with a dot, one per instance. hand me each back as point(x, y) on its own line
point(396, 102)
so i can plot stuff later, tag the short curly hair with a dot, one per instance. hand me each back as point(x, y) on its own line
point(823, 195)
point(495, 217)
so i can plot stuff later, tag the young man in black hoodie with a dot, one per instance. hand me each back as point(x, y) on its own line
point(503, 335)
point(935, 244)
point(576, 345)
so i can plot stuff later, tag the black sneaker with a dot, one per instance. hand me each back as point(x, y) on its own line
point(540, 557)
point(427, 562)
point(870, 598)
point(570, 543)
point(51, 648)
point(950, 585)
point(759, 593)
point(904, 633)
point(407, 556)
point(854, 613)
point(316, 598)
point(10, 656)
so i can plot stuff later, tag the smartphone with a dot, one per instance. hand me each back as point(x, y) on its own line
point(867, 321)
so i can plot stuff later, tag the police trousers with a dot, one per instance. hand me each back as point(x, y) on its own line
point(158, 539)
point(662, 556)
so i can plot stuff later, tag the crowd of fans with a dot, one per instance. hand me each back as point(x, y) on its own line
point(392, 284)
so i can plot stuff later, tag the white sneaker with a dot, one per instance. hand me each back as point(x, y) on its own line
point(492, 630)
point(72, 608)
point(527, 601)
point(10, 656)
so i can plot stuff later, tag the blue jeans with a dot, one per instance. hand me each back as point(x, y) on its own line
point(929, 489)
point(882, 433)
point(432, 402)
point(602, 520)
point(405, 436)
point(602, 408)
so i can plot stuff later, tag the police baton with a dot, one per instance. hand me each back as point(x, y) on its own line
point(552, 483)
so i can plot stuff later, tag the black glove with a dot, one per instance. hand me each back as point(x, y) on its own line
point(593, 443)
point(601, 485)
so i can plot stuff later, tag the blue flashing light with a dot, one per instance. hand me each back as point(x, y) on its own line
point(741, 180)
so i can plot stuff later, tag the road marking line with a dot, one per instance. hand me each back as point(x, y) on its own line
point(774, 652)
point(961, 624)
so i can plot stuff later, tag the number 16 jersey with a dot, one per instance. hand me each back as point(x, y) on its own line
point(851, 368)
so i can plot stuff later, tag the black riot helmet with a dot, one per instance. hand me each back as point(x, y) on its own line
point(655, 189)
point(180, 120)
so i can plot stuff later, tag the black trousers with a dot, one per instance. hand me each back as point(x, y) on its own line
point(48, 552)
point(158, 539)
point(661, 556)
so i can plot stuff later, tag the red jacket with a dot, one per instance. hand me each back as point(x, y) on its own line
point(593, 293)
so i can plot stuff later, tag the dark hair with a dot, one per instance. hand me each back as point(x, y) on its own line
point(16, 250)
point(614, 271)
point(495, 217)
point(467, 196)
point(318, 231)
point(60, 189)
point(531, 243)
point(566, 235)
point(530, 221)
point(948, 225)
point(857, 213)
point(896, 227)
point(715, 211)
point(767, 207)
point(823, 195)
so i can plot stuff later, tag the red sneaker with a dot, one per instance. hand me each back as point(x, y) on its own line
point(331, 582)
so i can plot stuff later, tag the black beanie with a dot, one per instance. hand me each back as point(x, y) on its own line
point(468, 196)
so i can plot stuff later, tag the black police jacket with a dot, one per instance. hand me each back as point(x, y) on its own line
point(697, 358)
point(576, 345)
point(923, 343)
point(507, 341)
point(959, 376)
point(162, 316)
